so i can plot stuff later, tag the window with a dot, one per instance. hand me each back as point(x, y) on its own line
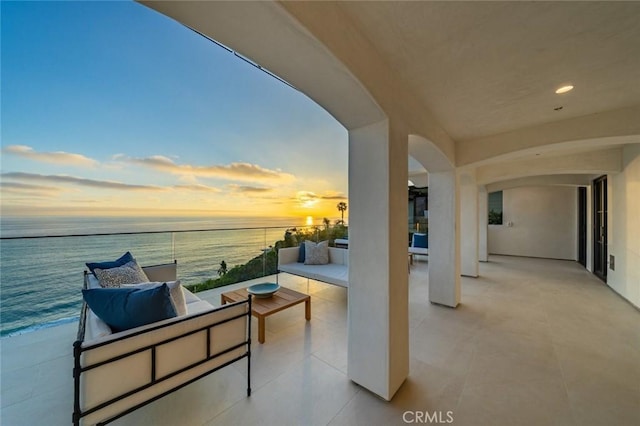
point(495, 208)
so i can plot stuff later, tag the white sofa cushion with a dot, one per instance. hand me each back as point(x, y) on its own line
point(330, 273)
point(199, 306)
point(95, 327)
point(419, 250)
point(189, 297)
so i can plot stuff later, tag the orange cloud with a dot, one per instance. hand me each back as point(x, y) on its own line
point(106, 184)
point(197, 187)
point(233, 171)
point(58, 157)
point(249, 189)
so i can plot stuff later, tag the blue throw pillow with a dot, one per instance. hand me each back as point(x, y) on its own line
point(301, 253)
point(125, 308)
point(125, 258)
point(420, 240)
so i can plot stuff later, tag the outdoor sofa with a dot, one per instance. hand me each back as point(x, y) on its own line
point(419, 245)
point(116, 373)
point(335, 271)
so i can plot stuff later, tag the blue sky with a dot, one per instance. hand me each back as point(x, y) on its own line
point(111, 108)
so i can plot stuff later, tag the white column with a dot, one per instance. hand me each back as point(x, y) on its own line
point(483, 223)
point(469, 223)
point(378, 324)
point(444, 242)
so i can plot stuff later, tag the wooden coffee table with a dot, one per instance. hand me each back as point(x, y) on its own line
point(263, 307)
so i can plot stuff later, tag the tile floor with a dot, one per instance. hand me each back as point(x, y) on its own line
point(534, 342)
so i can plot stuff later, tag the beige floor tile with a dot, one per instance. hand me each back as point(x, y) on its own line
point(533, 341)
point(582, 368)
point(276, 356)
point(449, 352)
point(16, 386)
point(329, 344)
point(540, 402)
point(366, 409)
point(597, 401)
point(310, 393)
point(503, 368)
point(51, 408)
point(427, 390)
point(197, 403)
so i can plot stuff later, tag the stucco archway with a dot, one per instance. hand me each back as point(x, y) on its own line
point(444, 214)
point(264, 32)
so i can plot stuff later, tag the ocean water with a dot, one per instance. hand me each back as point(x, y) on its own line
point(41, 278)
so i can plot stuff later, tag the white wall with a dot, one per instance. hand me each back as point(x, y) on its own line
point(544, 223)
point(624, 226)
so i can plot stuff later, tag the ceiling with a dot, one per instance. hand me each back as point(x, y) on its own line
point(475, 79)
point(488, 68)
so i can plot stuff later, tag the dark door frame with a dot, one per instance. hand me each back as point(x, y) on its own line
point(600, 227)
point(582, 226)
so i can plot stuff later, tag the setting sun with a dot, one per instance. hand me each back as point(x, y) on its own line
point(309, 220)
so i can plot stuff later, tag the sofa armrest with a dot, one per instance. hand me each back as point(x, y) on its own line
point(339, 256)
point(288, 255)
point(165, 272)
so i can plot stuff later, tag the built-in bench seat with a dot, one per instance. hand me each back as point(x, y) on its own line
point(335, 272)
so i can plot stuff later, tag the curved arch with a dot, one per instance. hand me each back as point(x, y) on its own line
point(267, 34)
point(299, 42)
point(595, 131)
point(542, 180)
point(576, 146)
point(428, 154)
point(591, 162)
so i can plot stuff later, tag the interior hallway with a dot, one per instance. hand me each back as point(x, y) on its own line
point(534, 342)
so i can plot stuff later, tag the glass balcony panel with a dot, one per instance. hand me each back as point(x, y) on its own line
point(42, 277)
point(200, 253)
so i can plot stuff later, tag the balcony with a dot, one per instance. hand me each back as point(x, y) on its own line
point(532, 343)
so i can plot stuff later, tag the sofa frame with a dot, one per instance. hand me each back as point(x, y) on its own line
point(221, 336)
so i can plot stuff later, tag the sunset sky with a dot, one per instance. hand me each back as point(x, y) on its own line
point(113, 109)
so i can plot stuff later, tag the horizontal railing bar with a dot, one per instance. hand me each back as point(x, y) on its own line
point(27, 237)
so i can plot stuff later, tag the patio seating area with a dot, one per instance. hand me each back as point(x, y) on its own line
point(534, 342)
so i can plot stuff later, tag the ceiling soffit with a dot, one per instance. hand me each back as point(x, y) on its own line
point(592, 162)
point(546, 180)
point(595, 131)
point(488, 68)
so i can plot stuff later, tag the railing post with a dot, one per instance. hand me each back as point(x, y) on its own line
point(76, 382)
point(173, 245)
point(249, 347)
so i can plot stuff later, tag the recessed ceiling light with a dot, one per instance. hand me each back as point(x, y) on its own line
point(564, 89)
point(558, 108)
